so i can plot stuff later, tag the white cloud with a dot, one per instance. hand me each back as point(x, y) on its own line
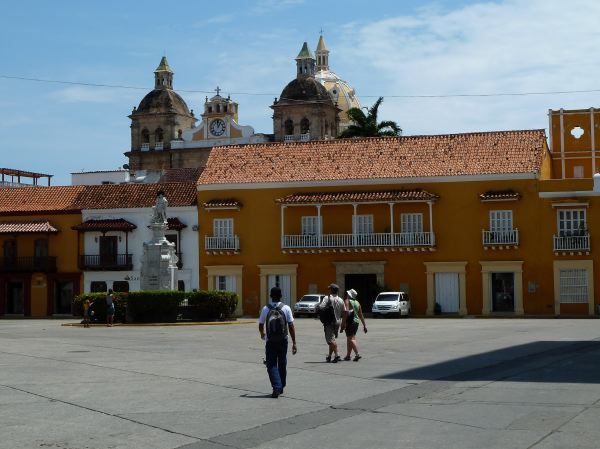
point(507, 46)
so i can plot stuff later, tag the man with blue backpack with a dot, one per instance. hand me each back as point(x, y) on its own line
point(274, 324)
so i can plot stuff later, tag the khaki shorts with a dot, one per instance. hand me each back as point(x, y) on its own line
point(331, 332)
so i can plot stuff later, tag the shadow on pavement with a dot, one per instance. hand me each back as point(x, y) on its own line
point(542, 361)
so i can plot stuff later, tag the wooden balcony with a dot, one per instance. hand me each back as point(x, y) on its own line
point(229, 243)
point(500, 238)
point(572, 242)
point(406, 239)
point(112, 262)
point(43, 264)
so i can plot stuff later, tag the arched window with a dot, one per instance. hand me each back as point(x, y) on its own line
point(304, 126)
point(145, 136)
point(289, 127)
point(218, 108)
point(158, 135)
point(326, 129)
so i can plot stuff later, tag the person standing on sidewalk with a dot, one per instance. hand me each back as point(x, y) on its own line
point(353, 318)
point(274, 324)
point(110, 308)
point(332, 313)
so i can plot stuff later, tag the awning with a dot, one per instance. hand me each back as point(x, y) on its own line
point(226, 203)
point(499, 195)
point(118, 224)
point(173, 224)
point(378, 196)
point(26, 227)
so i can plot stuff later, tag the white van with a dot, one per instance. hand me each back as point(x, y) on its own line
point(393, 303)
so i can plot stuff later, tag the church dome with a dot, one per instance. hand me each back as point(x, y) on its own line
point(305, 89)
point(163, 100)
point(341, 93)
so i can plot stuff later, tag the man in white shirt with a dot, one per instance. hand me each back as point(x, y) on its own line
point(337, 323)
point(274, 324)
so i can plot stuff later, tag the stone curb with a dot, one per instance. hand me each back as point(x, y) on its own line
point(199, 323)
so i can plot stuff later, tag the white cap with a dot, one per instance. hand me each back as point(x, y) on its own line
point(352, 293)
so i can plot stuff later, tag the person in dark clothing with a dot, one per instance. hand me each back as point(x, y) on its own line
point(274, 324)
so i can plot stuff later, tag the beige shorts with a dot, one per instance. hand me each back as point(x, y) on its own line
point(331, 332)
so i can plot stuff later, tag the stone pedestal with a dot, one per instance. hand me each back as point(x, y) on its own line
point(159, 262)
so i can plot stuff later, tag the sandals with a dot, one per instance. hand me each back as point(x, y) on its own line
point(347, 358)
point(357, 357)
point(328, 359)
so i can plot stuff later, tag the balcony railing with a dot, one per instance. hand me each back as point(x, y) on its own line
point(226, 243)
point(501, 237)
point(572, 243)
point(304, 137)
point(145, 147)
point(158, 146)
point(288, 138)
point(401, 239)
point(31, 264)
point(114, 262)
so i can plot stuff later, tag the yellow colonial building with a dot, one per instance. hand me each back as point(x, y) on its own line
point(459, 220)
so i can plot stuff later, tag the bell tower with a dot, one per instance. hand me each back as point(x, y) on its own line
point(163, 75)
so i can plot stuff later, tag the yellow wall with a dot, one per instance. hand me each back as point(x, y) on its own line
point(62, 245)
point(458, 220)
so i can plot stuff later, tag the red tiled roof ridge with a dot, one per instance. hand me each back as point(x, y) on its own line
point(372, 139)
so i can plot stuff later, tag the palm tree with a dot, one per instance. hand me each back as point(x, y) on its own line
point(365, 125)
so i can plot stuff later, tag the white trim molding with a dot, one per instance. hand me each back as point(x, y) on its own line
point(574, 265)
point(228, 270)
point(368, 182)
point(266, 270)
point(501, 266)
point(446, 267)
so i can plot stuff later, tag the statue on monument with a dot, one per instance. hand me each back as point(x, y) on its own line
point(159, 211)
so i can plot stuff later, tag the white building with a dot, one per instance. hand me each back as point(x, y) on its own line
point(112, 237)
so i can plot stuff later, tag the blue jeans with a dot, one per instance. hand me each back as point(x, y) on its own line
point(276, 358)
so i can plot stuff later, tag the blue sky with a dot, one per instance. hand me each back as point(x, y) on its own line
point(382, 48)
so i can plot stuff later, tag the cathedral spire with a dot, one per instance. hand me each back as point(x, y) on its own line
point(322, 55)
point(305, 62)
point(163, 75)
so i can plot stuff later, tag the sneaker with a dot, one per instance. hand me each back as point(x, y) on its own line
point(357, 357)
point(328, 359)
point(347, 358)
point(275, 394)
point(336, 359)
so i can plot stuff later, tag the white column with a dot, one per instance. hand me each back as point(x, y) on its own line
point(319, 240)
point(391, 224)
point(593, 136)
point(431, 223)
point(282, 227)
point(562, 143)
point(355, 206)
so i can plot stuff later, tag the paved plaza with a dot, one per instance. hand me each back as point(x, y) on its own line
point(422, 383)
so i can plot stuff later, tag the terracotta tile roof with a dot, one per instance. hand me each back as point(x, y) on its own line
point(32, 200)
point(499, 195)
point(137, 195)
point(358, 197)
point(222, 203)
point(174, 224)
point(26, 227)
point(498, 152)
point(72, 199)
point(181, 175)
point(118, 224)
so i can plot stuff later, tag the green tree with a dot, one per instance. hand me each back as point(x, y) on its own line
point(366, 125)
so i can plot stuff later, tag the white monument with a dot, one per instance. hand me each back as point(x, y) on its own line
point(159, 262)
